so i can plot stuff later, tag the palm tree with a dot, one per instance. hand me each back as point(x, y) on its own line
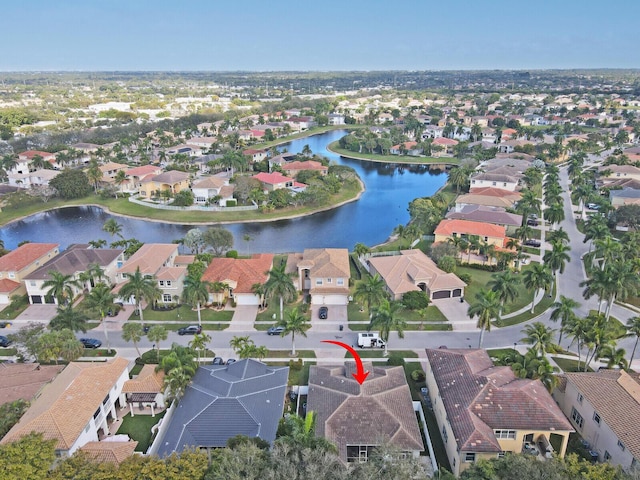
point(97, 243)
point(71, 349)
point(505, 284)
point(101, 299)
point(554, 214)
point(370, 292)
point(176, 382)
point(280, 284)
point(60, 286)
point(156, 334)
point(133, 332)
point(615, 357)
point(538, 277)
point(113, 228)
point(385, 318)
point(608, 249)
point(540, 337)
point(558, 236)
point(486, 307)
point(120, 179)
point(140, 287)
point(219, 288)
point(599, 285)
point(294, 323)
point(258, 289)
point(95, 174)
point(196, 291)
point(199, 343)
point(93, 273)
point(633, 328)
point(360, 249)
point(69, 318)
point(557, 257)
point(459, 177)
point(564, 310)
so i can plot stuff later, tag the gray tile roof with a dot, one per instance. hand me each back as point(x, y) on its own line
point(76, 258)
point(351, 414)
point(485, 214)
point(244, 398)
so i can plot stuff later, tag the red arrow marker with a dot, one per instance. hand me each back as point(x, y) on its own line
point(361, 375)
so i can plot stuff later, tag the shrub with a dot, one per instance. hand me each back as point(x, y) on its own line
point(418, 375)
point(232, 254)
point(415, 300)
point(447, 264)
point(395, 360)
point(465, 277)
point(231, 203)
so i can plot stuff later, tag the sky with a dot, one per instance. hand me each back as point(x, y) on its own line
point(329, 35)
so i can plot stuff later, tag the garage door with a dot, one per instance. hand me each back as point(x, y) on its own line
point(247, 300)
point(457, 292)
point(36, 299)
point(441, 294)
point(329, 300)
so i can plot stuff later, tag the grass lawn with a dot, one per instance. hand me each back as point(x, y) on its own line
point(436, 440)
point(98, 352)
point(544, 304)
point(15, 308)
point(433, 314)
point(355, 315)
point(428, 326)
point(184, 313)
point(298, 371)
point(8, 352)
point(137, 368)
point(335, 147)
point(139, 429)
point(568, 365)
point(500, 352)
point(531, 250)
point(285, 354)
point(379, 353)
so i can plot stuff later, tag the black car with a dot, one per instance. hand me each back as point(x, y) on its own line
point(190, 330)
point(275, 330)
point(230, 361)
point(217, 361)
point(532, 243)
point(91, 342)
point(4, 341)
point(146, 328)
point(532, 223)
point(323, 313)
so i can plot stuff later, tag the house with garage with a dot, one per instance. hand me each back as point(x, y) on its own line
point(276, 181)
point(604, 408)
point(495, 179)
point(484, 214)
point(323, 273)
point(173, 180)
point(491, 234)
point(23, 381)
point(155, 260)
point(74, 261)
point(413, 271)
point(18, 263)
point(222, 401)
point(484, 411)
point(489, 197)
point(444, 147)
point(358, 418)
point(255, 155)
point(239, 275)
point(77, 407)
point(212, 190)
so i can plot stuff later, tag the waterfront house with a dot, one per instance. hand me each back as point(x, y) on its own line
point(17, 264)
point(210, 190)
point(239, 275)
point(323, 273)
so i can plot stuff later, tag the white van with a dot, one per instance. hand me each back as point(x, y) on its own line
point(370, 340)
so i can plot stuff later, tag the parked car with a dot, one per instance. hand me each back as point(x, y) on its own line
point(593, 206)
point(532, 223)
point(91, 342)
point(532, 243)
point(323, 313)
point(217, 361)
point(230, 361)
point(146, 328)
point(275, 330)
point(4, 341)
point(190, 330)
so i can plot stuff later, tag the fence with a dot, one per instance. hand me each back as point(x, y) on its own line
point(201, 208)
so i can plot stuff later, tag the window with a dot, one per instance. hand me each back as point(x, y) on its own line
point(621, 445)
point(505, 434)
point(504, 184)
point(469, 457)
point(580, 397)
point(318, 281)
point(493, 183)
point(445, 436)
point(166, 298)
point(161, 282)
point(340, 282)
point(32, 283)
point(502, 454)
point(12, 274)
point(577, 418)
point(168, 283)
point(97, 412)
point(596, 418)
point(86, 429)
point(329, 280)
point(106, 400)
point(607, 456)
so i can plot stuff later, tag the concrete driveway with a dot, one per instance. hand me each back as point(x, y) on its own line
point(337, 316)
point(36, 313)
point(456, 313)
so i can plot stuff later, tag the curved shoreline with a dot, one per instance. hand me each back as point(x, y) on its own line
point(220, 222)
point(399, 161)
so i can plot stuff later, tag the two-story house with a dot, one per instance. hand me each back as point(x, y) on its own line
point(212, 190)
point(155, 260)
point(73, 261)
point(17, 264)
point(324, 273)
point(173, 180)
point(604, 408)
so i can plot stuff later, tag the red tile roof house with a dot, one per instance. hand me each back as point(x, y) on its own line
point(17, 264)
point(276, 180)
point(446, 144)
point(240, 274)
point(255, 154)
point(488, 196)
point(23, 163)
point(409, 147)
point(136, 174)
point(293, 168)
point(208, 188)
point(483, 411)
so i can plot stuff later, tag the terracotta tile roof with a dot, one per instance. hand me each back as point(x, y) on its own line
point(29, 154)
point(147, 381)
point(171, 273)
point(183, 260)
point(210, 182)
point(150, 258)
point(24, 255)
point(615, 395)
point(326, 262)
point(76, 258)
point(402, 273)
point(8, 286)
point(66, 405)
point(244, 271)
point(353, 414)
point(496, 192)
point(272, 178)
point(449, 227)
point(111, 452)
point(24, 380)
point(308, 165)
point(444, 141)
point(144, 170)
point(479, 397)
point(112, 166)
